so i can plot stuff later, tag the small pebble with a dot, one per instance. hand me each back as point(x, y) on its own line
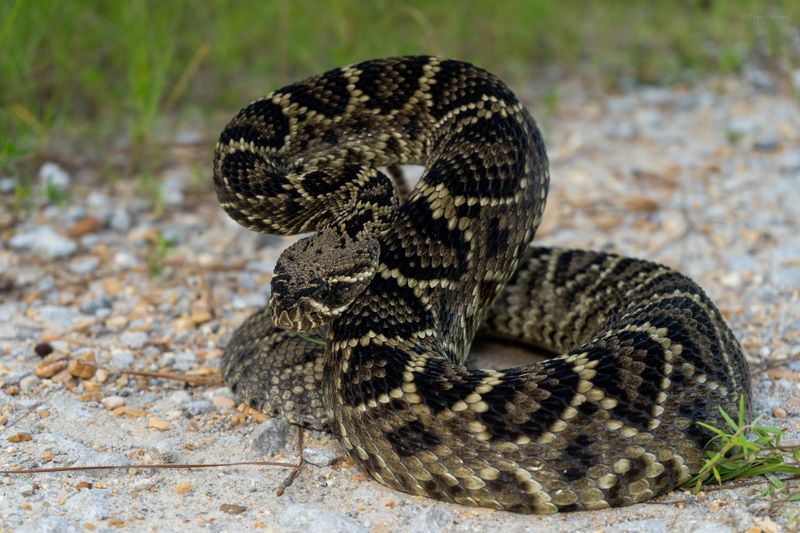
point(7, 185)
point(637, 526)
point(270, 437)
point(223, 402)
point(90, 504)
point(184, 361)
point(711, 527)
point(48, 368)
point(183, 488)
point(790, 162)
point(134, 339)
point(779, 412)
point(14, 378)
point(231, 508)
point(90, 307)
point(112, 402)
point(52, 175)
point(44, 242)
point(318, 457)
point(56, 318)
point(766, 144)
point(120, 220)
point(125, 259)
point(83, 227)
point(27, 490)
point(197, 407)
point(163, 452)
point(157, 423)
point(122, 359)
point(43, 349)
point(308, 517)
point(80, 369)
point(179, 398)
point(431, 521)
point(28, 383)
point(84, 265)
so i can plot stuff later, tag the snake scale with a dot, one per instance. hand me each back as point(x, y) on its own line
point(371, 317)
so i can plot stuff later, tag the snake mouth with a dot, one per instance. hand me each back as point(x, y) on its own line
point(307, 314)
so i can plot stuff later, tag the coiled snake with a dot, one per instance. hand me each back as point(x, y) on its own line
point(372, 316)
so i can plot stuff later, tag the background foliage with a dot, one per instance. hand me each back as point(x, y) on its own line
point(108, 69)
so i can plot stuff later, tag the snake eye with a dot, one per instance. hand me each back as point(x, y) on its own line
point(280, 284)
point(339, 291)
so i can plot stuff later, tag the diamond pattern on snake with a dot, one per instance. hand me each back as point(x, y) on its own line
point(371, 317)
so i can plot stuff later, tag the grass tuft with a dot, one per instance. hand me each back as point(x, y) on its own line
point(746, 450)
point(116, 68)
point(158, 250)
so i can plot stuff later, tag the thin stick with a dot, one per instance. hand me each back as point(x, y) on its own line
point(300, 462)
point(187, 378)
point(191, 379)
point(162, 466)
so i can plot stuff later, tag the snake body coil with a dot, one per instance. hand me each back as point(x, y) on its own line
point(391, 294)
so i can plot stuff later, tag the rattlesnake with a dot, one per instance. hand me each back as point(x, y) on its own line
point(378, 308)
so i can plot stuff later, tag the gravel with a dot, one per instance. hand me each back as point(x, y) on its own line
point(649, 172)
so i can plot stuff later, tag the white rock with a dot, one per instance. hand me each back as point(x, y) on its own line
point(121, 359)
point(790, 162)
point(640, 526)
point(173, 184)
point(180, 398)
point(7, 185)
point(56, 318)
point(133, 339)
point(318, 457)
point(27, 383)
point(44, 242)
point(53, 175)
point(197, 407)
point(270, 436)
point(112, 402)
point(84, 265)
point(49, 524)
point(121, 220)
point(125, 259)
point(307, 517)
point(184, 360)
point(431, 521)
point(163, 452)
point(709, 527)
point(91, 505)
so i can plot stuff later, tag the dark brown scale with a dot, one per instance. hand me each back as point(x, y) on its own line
point(643, 354)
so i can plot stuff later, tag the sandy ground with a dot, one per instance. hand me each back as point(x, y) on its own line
point(703, 178)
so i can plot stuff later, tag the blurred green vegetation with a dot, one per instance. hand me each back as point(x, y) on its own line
point(95, 69)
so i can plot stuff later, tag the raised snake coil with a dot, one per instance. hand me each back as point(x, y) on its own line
point(396, 292)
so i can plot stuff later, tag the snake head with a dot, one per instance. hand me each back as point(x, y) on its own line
point(318, 277)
